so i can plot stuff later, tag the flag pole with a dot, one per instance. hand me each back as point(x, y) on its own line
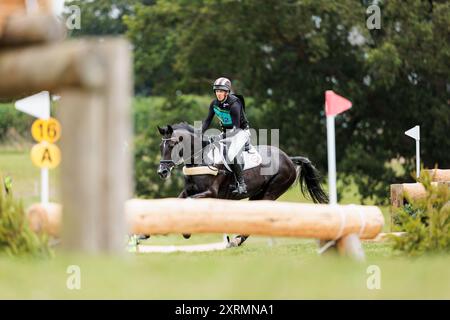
point(45, 180)
point(331, 160)
point(334, 105)
point(418, 158)
point(44, 186)
point(415, 134)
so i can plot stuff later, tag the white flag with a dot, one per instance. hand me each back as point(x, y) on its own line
point(37, 105)
point(414, 133)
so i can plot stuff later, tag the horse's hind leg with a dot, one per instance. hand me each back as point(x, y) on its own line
point(277, 185)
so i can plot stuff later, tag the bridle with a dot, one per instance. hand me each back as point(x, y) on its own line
point(170, 161)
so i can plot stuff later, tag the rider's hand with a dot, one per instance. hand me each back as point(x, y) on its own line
point(214, 139)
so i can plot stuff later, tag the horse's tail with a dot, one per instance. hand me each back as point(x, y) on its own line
point(310, 176)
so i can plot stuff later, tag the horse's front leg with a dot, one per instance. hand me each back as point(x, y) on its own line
point(210, 193)
point(183, 194)
point(213, 189)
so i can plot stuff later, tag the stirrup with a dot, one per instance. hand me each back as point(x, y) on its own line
point(241, 188)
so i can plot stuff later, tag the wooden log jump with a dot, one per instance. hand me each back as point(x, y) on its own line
point(415, 191)
point(268, 218)
point(439, 175)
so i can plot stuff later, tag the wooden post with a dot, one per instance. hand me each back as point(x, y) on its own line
point(396, 201)
point(96, 165)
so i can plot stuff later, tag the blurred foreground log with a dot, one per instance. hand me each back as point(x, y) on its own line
point(25, 30)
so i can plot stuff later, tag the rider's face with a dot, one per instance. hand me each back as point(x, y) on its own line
point(221, 95)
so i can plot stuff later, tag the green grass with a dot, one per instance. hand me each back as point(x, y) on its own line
point(288, 270)
point(26, 177)
point(285, 269)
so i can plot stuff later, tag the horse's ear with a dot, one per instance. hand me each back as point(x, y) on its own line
point(161, 130)
point(169, 129)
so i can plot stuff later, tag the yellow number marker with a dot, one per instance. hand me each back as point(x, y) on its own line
point(45, 155)
point(46, 130)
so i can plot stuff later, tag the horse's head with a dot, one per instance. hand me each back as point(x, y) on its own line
point(171, 148)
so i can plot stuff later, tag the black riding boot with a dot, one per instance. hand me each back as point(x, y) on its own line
point(241, 187)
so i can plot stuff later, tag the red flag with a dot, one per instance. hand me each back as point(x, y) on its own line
point(335, 104)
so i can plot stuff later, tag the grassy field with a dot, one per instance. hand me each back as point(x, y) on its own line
point(26, 177)
point(262, 269)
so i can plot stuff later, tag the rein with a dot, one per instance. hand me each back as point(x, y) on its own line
point(179, 163)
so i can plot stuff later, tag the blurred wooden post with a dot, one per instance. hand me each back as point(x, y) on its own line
point(96, 166)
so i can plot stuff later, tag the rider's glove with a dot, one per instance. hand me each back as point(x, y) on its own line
point(214, 139)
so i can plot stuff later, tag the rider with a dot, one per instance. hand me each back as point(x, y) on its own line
point(235, 127)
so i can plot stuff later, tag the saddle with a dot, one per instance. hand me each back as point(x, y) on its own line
point(250, 155)
point(215, 156)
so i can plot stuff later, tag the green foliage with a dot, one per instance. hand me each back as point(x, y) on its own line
point(13, 123)
point(102, 17)
point(153, 28)
point(16, 238)
point(426, 222)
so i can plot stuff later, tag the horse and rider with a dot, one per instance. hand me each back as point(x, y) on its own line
point(255, 182)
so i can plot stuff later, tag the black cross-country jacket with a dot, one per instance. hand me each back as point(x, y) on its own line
point(230, 112)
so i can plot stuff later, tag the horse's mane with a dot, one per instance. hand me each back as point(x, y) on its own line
point(183, 126)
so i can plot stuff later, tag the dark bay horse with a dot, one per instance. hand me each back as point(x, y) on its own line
point(180, 137)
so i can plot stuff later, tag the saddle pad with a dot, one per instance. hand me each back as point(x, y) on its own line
point(193, 171)
point(252, 158)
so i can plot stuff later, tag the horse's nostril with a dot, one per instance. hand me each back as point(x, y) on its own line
point(163, 172)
